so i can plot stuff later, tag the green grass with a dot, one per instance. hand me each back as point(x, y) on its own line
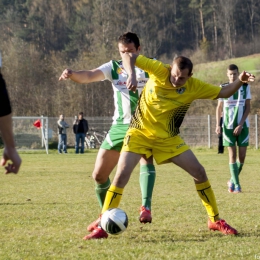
point(216, 72)
point(46, 208)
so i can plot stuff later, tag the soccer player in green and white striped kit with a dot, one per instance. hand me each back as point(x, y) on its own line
point(125, 102)
point(235, 127)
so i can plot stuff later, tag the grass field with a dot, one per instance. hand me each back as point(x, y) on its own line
point(46, 208)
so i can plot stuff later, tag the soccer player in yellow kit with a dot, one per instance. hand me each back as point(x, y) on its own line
point(154, 128)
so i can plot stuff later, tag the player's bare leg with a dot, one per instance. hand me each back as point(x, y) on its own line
point(126, 164)
point(242, 153)
point(106, 161)
point(189, 163)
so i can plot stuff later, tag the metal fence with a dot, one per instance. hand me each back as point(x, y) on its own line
point(197, 131)
point(200, 131)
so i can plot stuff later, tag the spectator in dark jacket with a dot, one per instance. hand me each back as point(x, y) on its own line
point(220, 136)
point(80, 128)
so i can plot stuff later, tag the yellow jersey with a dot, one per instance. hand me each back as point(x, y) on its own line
point(161, 107)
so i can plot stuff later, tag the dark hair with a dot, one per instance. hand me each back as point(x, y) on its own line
point(129, 37)
point(81, 113)
point(233, 67)
point(183, 63)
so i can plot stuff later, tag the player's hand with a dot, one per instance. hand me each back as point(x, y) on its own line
point(218, 130)
point(237, 130)
point(131, 83)
point(246, 77)
point(66, 74)
point(14, 164)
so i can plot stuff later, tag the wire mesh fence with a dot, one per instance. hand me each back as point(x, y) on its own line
point(197, 131)
point(200, 131)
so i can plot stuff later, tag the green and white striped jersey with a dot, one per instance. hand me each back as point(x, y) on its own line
point(234, 107)
point(125, 101)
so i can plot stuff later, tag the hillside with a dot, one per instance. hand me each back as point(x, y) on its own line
point(215, 73)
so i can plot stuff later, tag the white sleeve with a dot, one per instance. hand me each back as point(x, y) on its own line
point(221, 99)
point(248, 92)
point(59, 123)
point(106, 69)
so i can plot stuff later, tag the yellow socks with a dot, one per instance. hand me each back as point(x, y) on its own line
point(208, 200)
point(113, 198)
point(114, 194)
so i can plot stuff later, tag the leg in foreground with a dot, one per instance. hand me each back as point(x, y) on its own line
point(147, 180)
point(105, 163)
point(204, 190)
point(126, 164)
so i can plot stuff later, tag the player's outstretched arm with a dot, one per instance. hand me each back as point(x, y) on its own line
point(129, 66)
point(230, 89)
point(82, 76)
point(10, 152)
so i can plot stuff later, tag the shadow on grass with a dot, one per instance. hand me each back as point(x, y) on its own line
point(153, 235)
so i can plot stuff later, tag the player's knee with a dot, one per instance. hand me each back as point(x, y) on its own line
point(201, 175)
point(97, 176)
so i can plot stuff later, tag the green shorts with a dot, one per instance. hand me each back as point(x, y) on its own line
point(229, 139)
point(115, 138)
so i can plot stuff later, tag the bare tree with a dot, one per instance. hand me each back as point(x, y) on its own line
point(252, 11)
point(226, 23)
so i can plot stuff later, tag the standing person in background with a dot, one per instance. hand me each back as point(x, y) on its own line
point(125, 102)
point(6, 130)
point(62, 133)
point(80, 128)
point(220, 135)
point(235, 126)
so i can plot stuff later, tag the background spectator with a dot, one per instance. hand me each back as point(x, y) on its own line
point(220, 135)
point(62, 126)
point(80, 128)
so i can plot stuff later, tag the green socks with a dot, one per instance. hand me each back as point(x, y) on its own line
point(234, 173)
point(235, 169)
point(147, 180)
point(101, 191)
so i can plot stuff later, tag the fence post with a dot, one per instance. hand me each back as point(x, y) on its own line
point(256, 132)
point(42, 123)
point(209, 139)
point(47, 135)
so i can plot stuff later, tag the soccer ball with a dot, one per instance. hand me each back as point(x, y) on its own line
point(114, 221)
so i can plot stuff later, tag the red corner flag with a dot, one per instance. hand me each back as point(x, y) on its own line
point(37, 124)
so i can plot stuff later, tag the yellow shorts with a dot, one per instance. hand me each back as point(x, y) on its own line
point(161, 149)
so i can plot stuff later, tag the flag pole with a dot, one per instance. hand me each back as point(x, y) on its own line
point(38, 125)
